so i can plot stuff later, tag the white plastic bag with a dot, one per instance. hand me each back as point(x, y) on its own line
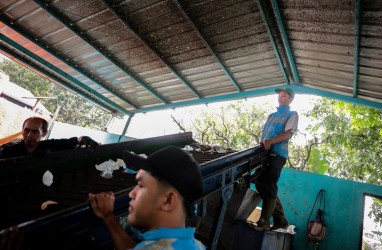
point(109, 166)
point(47, 178)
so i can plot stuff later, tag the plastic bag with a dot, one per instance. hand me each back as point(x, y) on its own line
point(47, 178)
point(109, 166)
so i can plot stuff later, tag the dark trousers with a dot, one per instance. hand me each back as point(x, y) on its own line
point(268, 176)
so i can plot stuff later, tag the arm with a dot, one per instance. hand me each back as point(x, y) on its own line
point(280, 138)
point(65, 144)
point(87, 142)
point(14, 150)
point(290, 129)
point(103, 205)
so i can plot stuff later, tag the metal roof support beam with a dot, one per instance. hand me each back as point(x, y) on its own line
point(228, 97)
point(340, 97)
point(126, 126)
point(52, 12)
point(60, 72)
point(284, 37)
point(357, 31)
point(267, 27)
point(65, 61)
point(151, 48)
point(14, 56)
point(200, 35)
point(262, 92)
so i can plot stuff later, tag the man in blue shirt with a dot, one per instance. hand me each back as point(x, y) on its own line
point(277, 131)
point(168, 183)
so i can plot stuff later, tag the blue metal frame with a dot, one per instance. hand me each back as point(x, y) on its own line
point(63, 60)
point(357, 31)
point(14, 56)
point(126, 126)
point(46, 7)
point(221, 64)
point(229, 97)
point(266, 24)
point(262, 92)
point(60, 72)
point(318, 92)
point(286, 42)
point(153, 50)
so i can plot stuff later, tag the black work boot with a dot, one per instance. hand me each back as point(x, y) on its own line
point(279, 220)
point(266, 213)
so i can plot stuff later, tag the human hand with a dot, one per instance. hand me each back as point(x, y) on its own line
point(87, 142)
point(102, 204)
point(266, 144)
point(12, 239)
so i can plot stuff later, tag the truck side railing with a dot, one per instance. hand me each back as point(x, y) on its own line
point(78, 227)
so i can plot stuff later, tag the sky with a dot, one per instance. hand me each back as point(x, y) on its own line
point(159, 123)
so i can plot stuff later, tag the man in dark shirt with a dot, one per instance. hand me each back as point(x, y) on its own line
point(33, 130)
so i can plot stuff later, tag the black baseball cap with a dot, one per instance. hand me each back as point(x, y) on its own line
point(287, 90)
point(174, 165)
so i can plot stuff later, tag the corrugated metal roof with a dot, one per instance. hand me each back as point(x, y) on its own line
point(137, 56)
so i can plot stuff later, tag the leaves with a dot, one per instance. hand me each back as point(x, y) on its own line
point(342, 140)
point(237, 125)
point(354, 147)
point(74, 110)
point(318, 162)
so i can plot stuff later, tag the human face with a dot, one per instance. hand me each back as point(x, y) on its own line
point(145, 201)
point(284, 99)
point(32, 132)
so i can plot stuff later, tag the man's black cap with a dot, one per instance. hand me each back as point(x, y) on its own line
point(287, 90)
point(174, 165)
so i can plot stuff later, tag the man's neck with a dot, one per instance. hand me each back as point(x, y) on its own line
point(171, 221)
point(31, 148)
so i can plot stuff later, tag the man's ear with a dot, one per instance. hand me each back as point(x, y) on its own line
point(44, 134)
point(171, 200)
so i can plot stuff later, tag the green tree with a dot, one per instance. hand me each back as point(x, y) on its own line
point(239, 126)
point(73, 109)
point(352, 139)
point(353, 142)
point(376, 210)
point(236, 126)
point(342, 140)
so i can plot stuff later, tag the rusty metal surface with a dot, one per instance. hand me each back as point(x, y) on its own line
point(142, 54)
point(322, 39)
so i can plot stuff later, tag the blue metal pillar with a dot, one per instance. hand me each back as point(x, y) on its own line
point(286, 42)
point(267, 27)
point(126, 126)
point(357, 31)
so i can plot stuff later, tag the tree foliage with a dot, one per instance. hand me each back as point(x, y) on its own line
point(376, 210)
point(353, 145)
point(73, 109)
point(343, 140)
point(237, 125)
point(353, 140)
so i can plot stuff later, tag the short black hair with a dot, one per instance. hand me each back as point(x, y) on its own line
point(44, 125)
point(165, 184)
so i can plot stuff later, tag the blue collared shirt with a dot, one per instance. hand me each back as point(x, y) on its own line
point(277, 123)
point(170, 238)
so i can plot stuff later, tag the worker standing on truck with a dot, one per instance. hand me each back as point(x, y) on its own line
point(168, 183)
point(34, 130)
point(277, 131)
